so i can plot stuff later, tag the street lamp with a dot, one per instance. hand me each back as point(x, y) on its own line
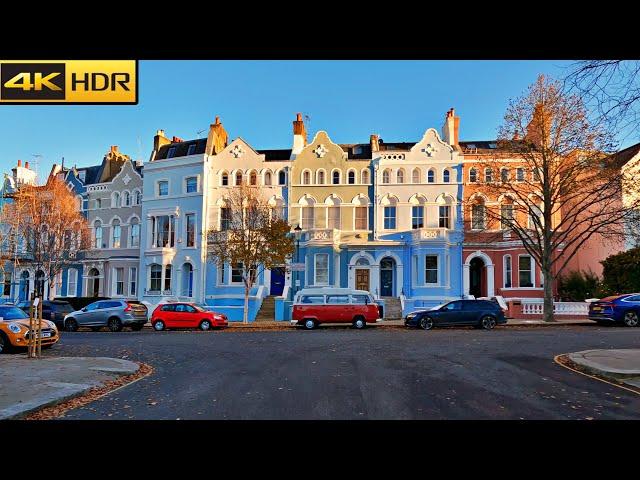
point(298, 233)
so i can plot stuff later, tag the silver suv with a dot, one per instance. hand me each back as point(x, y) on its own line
point(113, 314)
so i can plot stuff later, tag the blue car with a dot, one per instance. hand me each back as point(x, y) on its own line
point(478, 313)
point(617, 309)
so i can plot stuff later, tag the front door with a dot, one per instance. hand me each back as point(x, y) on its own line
point(362, 279)
point(476, 280)
point(386, 277)
point(277, 281)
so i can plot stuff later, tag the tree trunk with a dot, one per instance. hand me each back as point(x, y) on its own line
point(245, 316)
point(548, 296)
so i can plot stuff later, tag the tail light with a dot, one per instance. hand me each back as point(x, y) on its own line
point(128, 309)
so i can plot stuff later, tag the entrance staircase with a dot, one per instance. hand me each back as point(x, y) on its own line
point(392, 308)
point(267, 312)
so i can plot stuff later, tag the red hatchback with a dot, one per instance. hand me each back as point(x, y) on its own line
point(186, 315)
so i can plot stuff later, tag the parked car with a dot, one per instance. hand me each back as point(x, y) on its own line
point(623, 309)
point(113, 314)
point(313, 306)
point(54, 310)
point(186, 315)
point(14, 329)
point(478, 313)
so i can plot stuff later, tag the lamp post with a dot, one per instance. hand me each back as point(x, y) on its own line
point(298, 233)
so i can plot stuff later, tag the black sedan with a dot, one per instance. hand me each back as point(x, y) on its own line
point(478, 313)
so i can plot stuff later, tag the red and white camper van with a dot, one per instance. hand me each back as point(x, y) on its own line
point(313, 306)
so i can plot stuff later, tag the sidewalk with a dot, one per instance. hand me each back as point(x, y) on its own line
point(617, 365)
point(29, 384)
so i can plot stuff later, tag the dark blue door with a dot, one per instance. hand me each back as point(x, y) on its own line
point(277, 281)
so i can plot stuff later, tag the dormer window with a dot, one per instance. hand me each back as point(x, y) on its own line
point(192, 149)
point(171, 152)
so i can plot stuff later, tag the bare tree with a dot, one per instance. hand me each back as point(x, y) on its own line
point(252, 237)
point(612, 89)
point(556, 183)
point(52, 230)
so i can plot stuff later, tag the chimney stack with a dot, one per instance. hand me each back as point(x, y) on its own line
point(176, 139)
point(19, 163)
point(451, 128)
point(217, 139)
point(158, 141)
point(299, 135)
point(374, 140)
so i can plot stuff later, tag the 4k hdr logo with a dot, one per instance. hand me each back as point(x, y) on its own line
point(70, 81)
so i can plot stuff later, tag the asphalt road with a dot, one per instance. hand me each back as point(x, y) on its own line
point(340, 373)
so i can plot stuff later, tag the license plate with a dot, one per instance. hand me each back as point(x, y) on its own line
point(597, 309)
point(45, 335)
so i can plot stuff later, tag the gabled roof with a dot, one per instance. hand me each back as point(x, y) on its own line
point(623, 156)
point(181, 148)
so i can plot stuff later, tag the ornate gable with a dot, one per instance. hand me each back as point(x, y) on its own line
point(432, 148)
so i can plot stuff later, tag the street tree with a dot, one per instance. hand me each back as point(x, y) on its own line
point(50, 232)
point(252, 237)
point(557, 184)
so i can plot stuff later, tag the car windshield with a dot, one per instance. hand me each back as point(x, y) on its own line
point(200, 307)
point(12, 313)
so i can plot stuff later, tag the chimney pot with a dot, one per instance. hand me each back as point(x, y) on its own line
point(217, 120)
point(114, 148)
point(26, 165)
point(160, 133)
point(299, 117)
point(19, 163)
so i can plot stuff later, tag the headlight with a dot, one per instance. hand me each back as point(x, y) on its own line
point(51, 324)
point(14, 327)
point(411, 315)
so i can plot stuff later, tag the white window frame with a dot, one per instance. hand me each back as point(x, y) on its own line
point(186, 232)
point(115, 282)
point(315, 269)
point(329, 207)
point(313, 217)
point(133, 280)
point(532, 266)
point(130, 236)
point(197, 177)
point(437, 270)
point(113, 231)
point(395, 216)
point(157, 188)
point(505, 269)
point(70, 283)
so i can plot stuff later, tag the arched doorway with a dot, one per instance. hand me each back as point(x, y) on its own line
point(39, 284)
point(93, 283)
point(387, 274)
point(24, 287)
point(187, 280)
point(477, 278)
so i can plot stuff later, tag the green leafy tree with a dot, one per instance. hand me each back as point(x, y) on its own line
point(621, 272)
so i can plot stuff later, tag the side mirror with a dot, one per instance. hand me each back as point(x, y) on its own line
point(84, 309)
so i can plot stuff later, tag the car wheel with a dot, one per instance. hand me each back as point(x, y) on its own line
point(70, 325)
point(488, 322)
point(158, 325)
point(631, 319)
point(359, 323)
point(96, 329)
point(5, 346)
point(426, 323)
point(136, 327)
point(309, 324)
point(205, 325)
point(114, 324)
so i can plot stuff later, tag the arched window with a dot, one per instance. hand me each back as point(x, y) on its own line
point(97, 234)
point(187, 280)
point(239, 178)
point(320, 177)
point(431, 176)
point(155, 277)
point(267, 181)
point(504, 175)
point(224, 179)
point(488, 175)
point(116, 200)
point(336, 177)
point(351, 177)
point(365, 176)
point(138, 197)
point(446, 175)
point(253, 178)
point(386, 176)
point(506, 213)
point(282, 177)
point(520, 174)
point(415, 176)
point(400, 176)
point(127, 199)
point(306, 177)
point(473, 175)
point(134, 237)
point(115, 234)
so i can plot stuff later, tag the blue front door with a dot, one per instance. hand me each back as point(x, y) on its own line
point(277, 281)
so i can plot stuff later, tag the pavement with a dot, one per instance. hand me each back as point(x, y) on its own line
point(28, 384)
point(621, 365)
point(343, 373)
point(512, 322)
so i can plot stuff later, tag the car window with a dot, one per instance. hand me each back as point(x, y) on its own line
point(12, 313)
point(337, 299)
point(312, 299)
point(181, 308)
point(93, 306)
point(633, 298)
point(190, 309)
point(452, 306)
point(360, 299)
point(168, 308)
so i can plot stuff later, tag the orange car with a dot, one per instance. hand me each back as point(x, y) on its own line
point(14, 329)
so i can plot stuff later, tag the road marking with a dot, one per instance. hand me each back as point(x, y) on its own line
point(555, 359)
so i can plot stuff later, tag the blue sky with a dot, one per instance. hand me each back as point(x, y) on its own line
point(258, 100)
